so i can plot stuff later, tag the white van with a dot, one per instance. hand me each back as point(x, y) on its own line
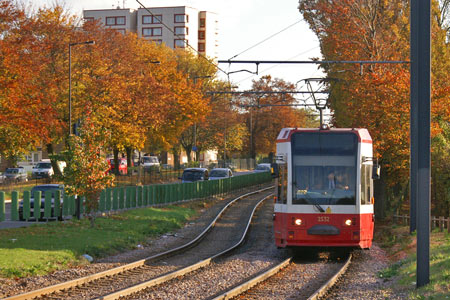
point(44, 169)
point(150, 163)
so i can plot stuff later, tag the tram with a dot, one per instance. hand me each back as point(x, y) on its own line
point(324, 190)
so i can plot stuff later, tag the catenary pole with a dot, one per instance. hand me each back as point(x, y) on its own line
point(420, 98)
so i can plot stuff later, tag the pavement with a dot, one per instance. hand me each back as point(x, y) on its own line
point(7, 224)
point(17, 224)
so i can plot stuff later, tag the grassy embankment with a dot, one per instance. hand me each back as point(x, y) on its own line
point(401, 247)
point(41, 249)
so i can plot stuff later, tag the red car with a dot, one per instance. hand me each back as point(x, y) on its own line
point(123, 167)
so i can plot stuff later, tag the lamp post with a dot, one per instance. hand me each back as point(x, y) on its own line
point(70, 79)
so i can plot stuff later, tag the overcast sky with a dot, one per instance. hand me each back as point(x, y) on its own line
point(243, 24)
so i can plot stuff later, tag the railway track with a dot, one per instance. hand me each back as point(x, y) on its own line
point(285, 274)
point(256, 270)
point(164, 266)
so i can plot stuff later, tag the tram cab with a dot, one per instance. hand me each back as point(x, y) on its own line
point(324, 192)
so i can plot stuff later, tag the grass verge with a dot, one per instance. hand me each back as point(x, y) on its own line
point(401, 247)
point(41, 249)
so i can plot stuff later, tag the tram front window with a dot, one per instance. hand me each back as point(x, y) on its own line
point(324, 168)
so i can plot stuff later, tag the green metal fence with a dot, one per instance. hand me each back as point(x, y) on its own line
point(56, 205)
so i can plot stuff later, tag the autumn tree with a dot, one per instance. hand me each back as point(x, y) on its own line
point(86, 172)
point(264, 121)
point(376, 96)
point(22, 113)
point(200, 72)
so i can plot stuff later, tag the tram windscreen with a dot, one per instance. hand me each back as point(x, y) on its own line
point(324, 168)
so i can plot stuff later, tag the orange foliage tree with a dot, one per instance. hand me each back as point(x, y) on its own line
point(377, 96)
point(22, 110)
point(263, 121)
point(86, 171)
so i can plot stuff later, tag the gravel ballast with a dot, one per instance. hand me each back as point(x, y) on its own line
point(298, 280)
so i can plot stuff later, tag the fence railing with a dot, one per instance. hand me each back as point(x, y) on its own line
point(60, 206)
point(435, 222)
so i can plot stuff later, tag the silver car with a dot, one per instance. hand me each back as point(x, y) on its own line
point(16, 175)
point(220, 173)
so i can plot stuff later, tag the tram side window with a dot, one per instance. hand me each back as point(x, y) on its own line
point(366, 188)
point(282, 185)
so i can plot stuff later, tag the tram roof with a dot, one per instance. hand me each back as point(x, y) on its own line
point(362, 133)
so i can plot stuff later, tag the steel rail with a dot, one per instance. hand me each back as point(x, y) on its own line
point(203, 263)
point(326, 287)
point(254, 281)
point(247, 285)
point(80, 281)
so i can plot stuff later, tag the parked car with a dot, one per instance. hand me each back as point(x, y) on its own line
point(263, 168)
point(150, 163)
point(166, 167)
point(42, 169)
point(123, 166)
point(194, 174)
point(43, 188)
point(220, 173)
point(16, 175)
point(2, 178)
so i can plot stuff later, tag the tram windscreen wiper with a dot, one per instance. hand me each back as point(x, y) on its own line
point(317, 206)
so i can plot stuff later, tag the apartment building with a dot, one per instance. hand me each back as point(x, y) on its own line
point(173, 26)
point(118, 19)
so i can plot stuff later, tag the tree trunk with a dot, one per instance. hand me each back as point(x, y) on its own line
point(380, 198)
point(188, 151)
point(164, 157)
point(116, 161)
point(57, 171)
point(176, 158)
point(129, 164)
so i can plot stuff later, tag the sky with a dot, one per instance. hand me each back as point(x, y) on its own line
point(243, 24)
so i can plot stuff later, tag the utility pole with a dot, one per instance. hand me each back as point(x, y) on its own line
point(420, 131)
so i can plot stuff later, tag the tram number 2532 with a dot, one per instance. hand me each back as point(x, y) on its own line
point(323, 219)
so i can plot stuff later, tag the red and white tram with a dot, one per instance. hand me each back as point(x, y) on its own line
point(324, 192)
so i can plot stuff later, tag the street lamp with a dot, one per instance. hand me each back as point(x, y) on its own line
point(70, 79)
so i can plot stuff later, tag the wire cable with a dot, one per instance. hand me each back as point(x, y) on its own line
point(274, 66)
point(181, 38)
point(266, 39)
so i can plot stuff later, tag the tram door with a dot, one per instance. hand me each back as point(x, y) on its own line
point(281, 184)
point(280, 209)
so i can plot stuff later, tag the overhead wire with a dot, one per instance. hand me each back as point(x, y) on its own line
point(266, 39)
point(274, 66)
point(181, 38)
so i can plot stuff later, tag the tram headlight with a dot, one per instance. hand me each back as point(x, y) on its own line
point(348, 222)
point(298, 222)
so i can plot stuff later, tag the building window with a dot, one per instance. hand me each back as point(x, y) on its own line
point(154, 31)
point(201, 35)
point(202, 22)
point(201, 47)
point(179, 44)
point(122, 31)
point(181, 19)
point(112, 21)
point(89, 19)
point(159, 42)
point(181, 31)
point(152, 19)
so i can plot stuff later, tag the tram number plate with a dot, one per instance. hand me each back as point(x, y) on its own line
point(323, 219)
